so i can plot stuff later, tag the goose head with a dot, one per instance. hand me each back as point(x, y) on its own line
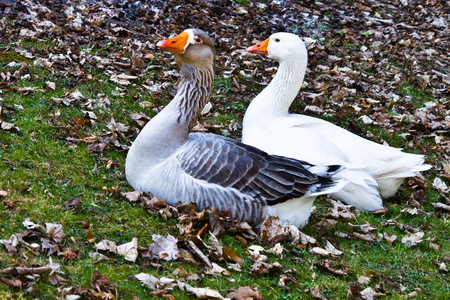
point(281, 46)
point(192, 47)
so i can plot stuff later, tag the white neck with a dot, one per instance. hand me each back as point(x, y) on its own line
point(276, 98)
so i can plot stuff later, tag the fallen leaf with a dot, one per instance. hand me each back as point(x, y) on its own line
point(100, 281)
point(154, 283)
point(442, 266)
point(340, 210)
point(441, 206)
point(411, 211)
point(315, 293)
point(32, 226)
point(363, 280)
point(440, 185)
point(330, 248)
point(413, 239)
point(255, 253)
point(271, 231)
point(133, 196)
point(236, 267)
point(245, 293)
point(260, 268)
point(285, 278)
point(129, 250)
point(55, 231)
point(72, 204)
point(107, 246)
point(277, 249)
point(71, 293)
point(216, 270)
point(68, 255)
point(50, 85)
point(320, 251)
point(354, 290)
point(389, 239)
point(90, 236)
point(365, 237)
point(326, 266)
point(229, 254)
point(200, 293)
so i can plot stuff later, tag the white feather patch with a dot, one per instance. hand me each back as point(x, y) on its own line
point(191, 38)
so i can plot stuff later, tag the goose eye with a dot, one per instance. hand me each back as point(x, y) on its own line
point(198, 40)
point(277, 40)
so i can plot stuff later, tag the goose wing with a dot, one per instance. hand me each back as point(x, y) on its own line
point(230, 163)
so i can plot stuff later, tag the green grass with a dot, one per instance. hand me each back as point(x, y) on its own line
point(41, 170)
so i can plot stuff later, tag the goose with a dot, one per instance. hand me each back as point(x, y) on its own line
point(373, 171)
point(211, 170)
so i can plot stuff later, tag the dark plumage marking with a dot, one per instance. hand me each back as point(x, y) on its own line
point(230, 163)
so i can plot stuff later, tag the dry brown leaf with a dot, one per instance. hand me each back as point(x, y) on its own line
point(164, 245)
point(271, 231)
point(276, 250)
point(74, 291)
point(154, 283)
point(200, 293)
point(55, 231)
point(133, 196)
point(129, 250)
point(72, 204)
point(442, 266)
point(245, 293)
point(229, 254)
point(441, 206)
point(216, 270)
point(320, 251)
point(389, 239)
point(413, 239)
point(255, 253)
point(340, 210)
point(107, 246)
point(327, 223)
point(326, 266)
point(68, 255)
point(285, 278)
point(363, 280)
point(260, 268)
point(11, 244)
point(315, 293)
point(50, 85)
point(365, 237)
point(435, 247)
point(90, 236)
point(199, 254)
point(334, 252)
point(354, 290)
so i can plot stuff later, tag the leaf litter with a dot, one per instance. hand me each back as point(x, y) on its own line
point(355, 75)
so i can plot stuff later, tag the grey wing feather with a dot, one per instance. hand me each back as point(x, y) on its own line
point(230, 163)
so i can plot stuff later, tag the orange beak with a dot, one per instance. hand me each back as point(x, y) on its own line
point(175, 44)
point(260, 48)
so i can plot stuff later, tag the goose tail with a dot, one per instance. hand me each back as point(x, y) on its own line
point(390, 179)
point(328, 181)
point(361, 191)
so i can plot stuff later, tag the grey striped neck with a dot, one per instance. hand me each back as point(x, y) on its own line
point(193, 93)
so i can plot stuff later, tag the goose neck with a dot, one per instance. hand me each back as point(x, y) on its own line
point(169, 129)
point(282, 90)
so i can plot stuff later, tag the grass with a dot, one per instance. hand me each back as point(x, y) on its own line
point(41, 170)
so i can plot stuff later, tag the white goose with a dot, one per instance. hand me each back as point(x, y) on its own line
point(211, 170)
point(373, 170)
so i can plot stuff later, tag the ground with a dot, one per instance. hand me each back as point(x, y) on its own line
point(79, 79)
